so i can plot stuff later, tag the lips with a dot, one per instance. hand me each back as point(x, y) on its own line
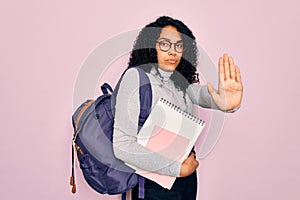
point(171, 61)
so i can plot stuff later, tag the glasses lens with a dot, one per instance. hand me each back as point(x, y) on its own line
point(164, 45)
point(179, 47)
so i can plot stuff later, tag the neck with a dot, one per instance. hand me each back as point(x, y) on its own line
point(165, 74)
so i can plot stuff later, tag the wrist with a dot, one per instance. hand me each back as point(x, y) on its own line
point(233, 110)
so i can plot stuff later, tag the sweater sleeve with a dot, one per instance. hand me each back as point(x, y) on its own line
point(125, 143)
point(200, 96)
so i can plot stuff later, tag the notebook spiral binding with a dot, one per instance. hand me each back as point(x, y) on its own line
point(184, 113)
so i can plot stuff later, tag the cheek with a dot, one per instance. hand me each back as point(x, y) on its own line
point(179, 56)
point(160, 56)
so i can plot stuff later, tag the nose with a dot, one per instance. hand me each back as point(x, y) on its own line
point(172, 50)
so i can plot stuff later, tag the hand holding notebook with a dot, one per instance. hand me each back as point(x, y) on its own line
point(170, 132)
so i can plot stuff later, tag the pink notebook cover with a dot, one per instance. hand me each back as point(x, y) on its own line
point(169, 145)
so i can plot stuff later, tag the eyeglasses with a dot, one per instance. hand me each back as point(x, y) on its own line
point(165, 45)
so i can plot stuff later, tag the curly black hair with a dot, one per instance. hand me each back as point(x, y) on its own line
point(144, 52)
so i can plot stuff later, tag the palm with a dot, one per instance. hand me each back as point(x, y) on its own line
point(230, 88)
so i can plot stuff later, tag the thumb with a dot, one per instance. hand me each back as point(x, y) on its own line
point(211, 89)
point(212, 92)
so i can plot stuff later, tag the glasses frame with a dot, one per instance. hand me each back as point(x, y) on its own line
point(171, 43)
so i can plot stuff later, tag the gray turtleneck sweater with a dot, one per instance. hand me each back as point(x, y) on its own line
point(127, 107)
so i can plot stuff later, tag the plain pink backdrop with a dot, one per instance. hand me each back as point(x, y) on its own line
point(44, 43)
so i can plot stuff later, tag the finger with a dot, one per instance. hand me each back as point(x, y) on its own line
point(211, 91)
point(232, 68)
point(192, 155)
point(210, 88)
point(221, 70)
point(225, 55)
point(238, 74)
point(226, 66)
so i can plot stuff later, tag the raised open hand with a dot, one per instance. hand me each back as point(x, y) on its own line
point(230, 87)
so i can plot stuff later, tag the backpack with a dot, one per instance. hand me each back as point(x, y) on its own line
point(93, 129)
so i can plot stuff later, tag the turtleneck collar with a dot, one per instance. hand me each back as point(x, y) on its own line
point(165, 74)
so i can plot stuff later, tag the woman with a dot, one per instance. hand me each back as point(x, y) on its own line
point(166, 50)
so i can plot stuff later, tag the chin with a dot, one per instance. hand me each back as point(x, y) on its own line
point(168, 68)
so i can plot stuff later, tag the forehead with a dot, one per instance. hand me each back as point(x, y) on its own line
point(170, 32)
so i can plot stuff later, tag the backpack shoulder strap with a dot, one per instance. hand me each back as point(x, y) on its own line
point(145, 92)
point(145, 96)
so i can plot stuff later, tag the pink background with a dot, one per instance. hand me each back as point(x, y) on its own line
point(43, 45)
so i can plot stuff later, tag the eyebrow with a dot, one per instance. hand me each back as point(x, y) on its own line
point(169, 40)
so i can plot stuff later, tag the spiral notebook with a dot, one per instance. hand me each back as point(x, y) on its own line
point(170, 132)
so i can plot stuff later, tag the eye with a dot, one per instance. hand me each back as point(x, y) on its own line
point(164, 43)
point(179, 45)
